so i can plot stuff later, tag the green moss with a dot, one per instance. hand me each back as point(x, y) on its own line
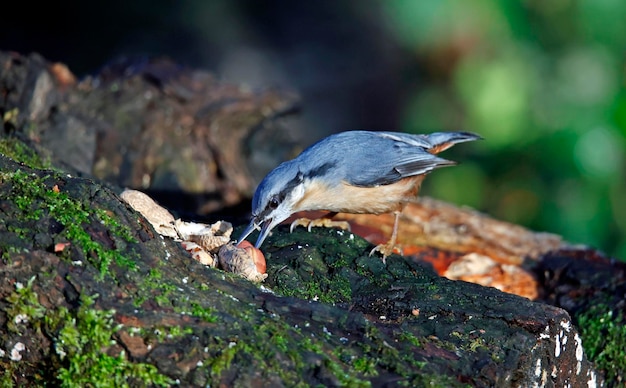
point(309, 345)
point(8, 251)
point(271, 345)
point(332, 271)
point(161, 333)
point(177, 331)
point(114, 226)
point(35, 199)
point(314, 271)
point(204, 313)
point(15, 149)
point(603, 333)
point(204, 287)
point(248, 342)
point(363, 365)
point(433, 381)
point(332, 289)
point(170, 295)
point(152, 286)
point(406, 336)
point(6, 380)
point(221, 362)
point(21, 232)
point(23, 306)
point(402, 359)
point(476, 344)
point(345, 379)
point(80, 341)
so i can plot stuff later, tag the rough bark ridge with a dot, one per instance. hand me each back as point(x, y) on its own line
point(65, 239)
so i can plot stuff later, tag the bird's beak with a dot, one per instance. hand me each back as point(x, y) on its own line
point(267, 225)
point(251, 227)
point(265, 231)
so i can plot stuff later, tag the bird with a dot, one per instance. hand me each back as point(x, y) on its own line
point(358, 172)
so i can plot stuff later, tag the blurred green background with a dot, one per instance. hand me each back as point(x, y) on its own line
point(542, 81)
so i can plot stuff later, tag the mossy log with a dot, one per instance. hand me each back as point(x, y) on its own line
point(328, 313)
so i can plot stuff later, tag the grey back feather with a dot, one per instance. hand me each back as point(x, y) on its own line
point(367, 159)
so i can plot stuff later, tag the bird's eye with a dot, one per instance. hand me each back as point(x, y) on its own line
point(273, 204)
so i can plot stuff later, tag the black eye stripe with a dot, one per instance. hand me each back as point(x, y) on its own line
point(276, 199)
point(320, 170)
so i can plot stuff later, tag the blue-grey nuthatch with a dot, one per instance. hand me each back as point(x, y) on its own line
point(351, 172)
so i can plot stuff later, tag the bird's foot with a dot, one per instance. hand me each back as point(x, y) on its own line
point(320, 222)
point(386, 250)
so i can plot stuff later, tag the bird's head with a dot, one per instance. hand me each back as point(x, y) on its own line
point(274, 200)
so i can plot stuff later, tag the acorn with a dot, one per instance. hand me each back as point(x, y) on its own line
point(244, 260)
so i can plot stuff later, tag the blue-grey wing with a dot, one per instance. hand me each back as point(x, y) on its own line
point(388, 157)
point(366, 159)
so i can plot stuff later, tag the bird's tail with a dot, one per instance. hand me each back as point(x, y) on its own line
point(441, 141)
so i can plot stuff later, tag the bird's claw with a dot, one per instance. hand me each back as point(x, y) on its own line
point(386, 250)
point(320, 222)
